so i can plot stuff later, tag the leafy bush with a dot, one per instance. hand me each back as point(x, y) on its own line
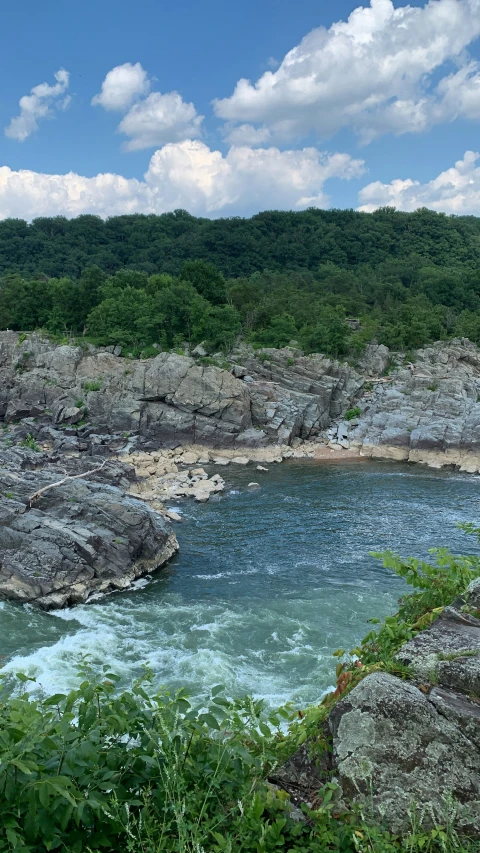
point(351, 414)
point(92, 385)
point(30, 442)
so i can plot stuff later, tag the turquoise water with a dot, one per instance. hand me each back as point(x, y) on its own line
point(267, 584)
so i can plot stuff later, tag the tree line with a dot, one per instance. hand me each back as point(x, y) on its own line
point(140, 281)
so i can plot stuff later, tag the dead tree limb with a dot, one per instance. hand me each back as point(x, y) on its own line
point(66, 479)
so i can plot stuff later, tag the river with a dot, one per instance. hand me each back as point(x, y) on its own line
point(267, 584)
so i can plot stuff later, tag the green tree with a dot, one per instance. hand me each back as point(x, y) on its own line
point(206, 279)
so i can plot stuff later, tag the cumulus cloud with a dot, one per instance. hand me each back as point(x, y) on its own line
point(377, 72)
point(122, 86)
point(151, 119)
point(40, 103)
point(457, 190)
point(160, 119)
point(187, 175)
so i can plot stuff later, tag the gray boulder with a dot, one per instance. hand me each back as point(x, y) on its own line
point(398, 752)
point(81, 538)
point(407, 751)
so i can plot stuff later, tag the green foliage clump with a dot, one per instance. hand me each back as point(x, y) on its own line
point(437, 585)
point(351, 414)
point(30, 442)
point(91, 385)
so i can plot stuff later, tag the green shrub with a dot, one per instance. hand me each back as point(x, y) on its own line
point(93, 385)
point(351, 414)
point(30, 442)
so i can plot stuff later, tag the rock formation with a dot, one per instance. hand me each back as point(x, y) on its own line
point(81, 538)
point(427, 411)
point(409, 749)
point(172, 399)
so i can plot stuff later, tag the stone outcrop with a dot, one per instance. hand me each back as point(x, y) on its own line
point(294, 395)
point(427, 412)
point(165, 398)
point(81, 538)
point(172, 399)
point(404, 750)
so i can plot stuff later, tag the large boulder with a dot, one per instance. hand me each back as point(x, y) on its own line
point(408, 752)
point(403, 755)
point(81, 538)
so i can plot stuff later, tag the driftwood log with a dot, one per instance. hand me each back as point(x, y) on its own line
point(66, 479)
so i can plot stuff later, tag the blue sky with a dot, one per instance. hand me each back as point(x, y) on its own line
point(375, 108)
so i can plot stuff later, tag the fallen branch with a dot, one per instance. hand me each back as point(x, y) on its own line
point(66, 479)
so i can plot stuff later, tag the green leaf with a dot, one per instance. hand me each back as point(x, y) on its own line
point(21, 766)
point(209, 720)
point(54, 700)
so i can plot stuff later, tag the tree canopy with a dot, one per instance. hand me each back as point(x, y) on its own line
point(139, 280)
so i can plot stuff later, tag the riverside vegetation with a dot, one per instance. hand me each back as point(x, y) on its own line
point(139, 281)
point(147, 772)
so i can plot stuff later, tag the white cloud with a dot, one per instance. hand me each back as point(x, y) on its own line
point(160, 119)
point(187, 175)
point(122, 86)
point(152, 119)
point(374, 73)
point(457, 190)
point(39, 104)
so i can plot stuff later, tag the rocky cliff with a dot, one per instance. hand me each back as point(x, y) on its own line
point(173, 399)
point(424, 411)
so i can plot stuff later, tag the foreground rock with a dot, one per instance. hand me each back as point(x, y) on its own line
point(409, 750)
point(400, 755)
point(79, 539)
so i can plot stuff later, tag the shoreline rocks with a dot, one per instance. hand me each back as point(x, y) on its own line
point(425, 412)
point(82, 538)
point(403, 749)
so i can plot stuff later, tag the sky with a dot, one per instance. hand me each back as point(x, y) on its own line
point(225, 109)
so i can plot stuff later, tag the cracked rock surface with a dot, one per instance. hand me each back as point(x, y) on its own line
point(409, 746)
point(172, 399)
point(81, 538)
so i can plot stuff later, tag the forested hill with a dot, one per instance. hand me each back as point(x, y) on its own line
point(272, 240)
point(159, 281)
